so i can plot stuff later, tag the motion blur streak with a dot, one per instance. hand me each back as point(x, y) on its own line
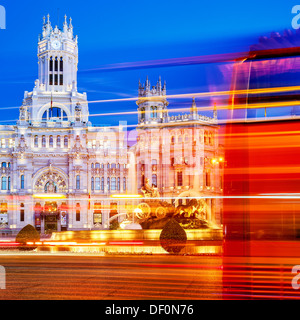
point(225, 57)
point(261, 243)
point(115, 277)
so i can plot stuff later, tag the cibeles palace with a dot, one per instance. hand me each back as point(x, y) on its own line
point(59, 172)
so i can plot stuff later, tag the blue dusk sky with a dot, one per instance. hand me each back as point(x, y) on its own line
point(130, 31)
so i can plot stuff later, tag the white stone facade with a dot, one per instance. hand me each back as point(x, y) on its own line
point(180, 155)
point(59, 172)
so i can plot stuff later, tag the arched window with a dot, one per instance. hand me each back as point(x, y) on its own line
point(58, 142)
point(205, 137)
point(77, 211)
point(108, 166)
point(124, 184)
point(65, 117)
point(22, 178)
point(119, 187)
point(97, 213)
point(56, 64)
point(143, 180)
point(102, 183)
point(154, 112)
point(55, 113)
point(92, 184)
point(66, 142)
point(77, 182)
point(61, 64)
point(9, 164)
point(92, 165)
point(97, 183)
point(3, 165)
point(113, 183)
point(45, 116)
point(51, 64)
point(8, 183)
point(51, 142)
point(44, 141)
point(97, 166)
point(22, 212)
point(3, 183)
point(113, 166)
point(36, 141)
point(154, 180)
point(179, 178)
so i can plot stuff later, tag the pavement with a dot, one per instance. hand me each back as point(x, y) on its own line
point(66, 276)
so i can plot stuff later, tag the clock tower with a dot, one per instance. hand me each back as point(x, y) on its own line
point(58, 57)
point(55, 100)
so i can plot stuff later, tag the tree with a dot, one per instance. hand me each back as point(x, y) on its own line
point(173, 237)
point(27, 234)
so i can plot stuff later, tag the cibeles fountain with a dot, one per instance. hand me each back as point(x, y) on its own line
point(138, 231)
point(130, 221)
point(153, 212)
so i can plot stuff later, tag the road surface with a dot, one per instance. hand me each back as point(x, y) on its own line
point(60, 277)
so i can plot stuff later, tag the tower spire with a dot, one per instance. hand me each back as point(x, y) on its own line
point(215, 111)
point(159, 84)
point(147, 83)
point(65, 26)
point(194, 106)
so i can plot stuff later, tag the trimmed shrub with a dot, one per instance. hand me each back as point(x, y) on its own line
point(114, 225)
point(27, 234)
point(173, 237)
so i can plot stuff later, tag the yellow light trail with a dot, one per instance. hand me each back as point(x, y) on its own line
point(194, 95)
point(49, 196)
point(126, 196)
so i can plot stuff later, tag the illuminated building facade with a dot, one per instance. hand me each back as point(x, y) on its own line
point(57, 170)
point(179, 155)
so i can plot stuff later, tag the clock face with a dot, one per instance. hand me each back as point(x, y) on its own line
point(55, 44)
